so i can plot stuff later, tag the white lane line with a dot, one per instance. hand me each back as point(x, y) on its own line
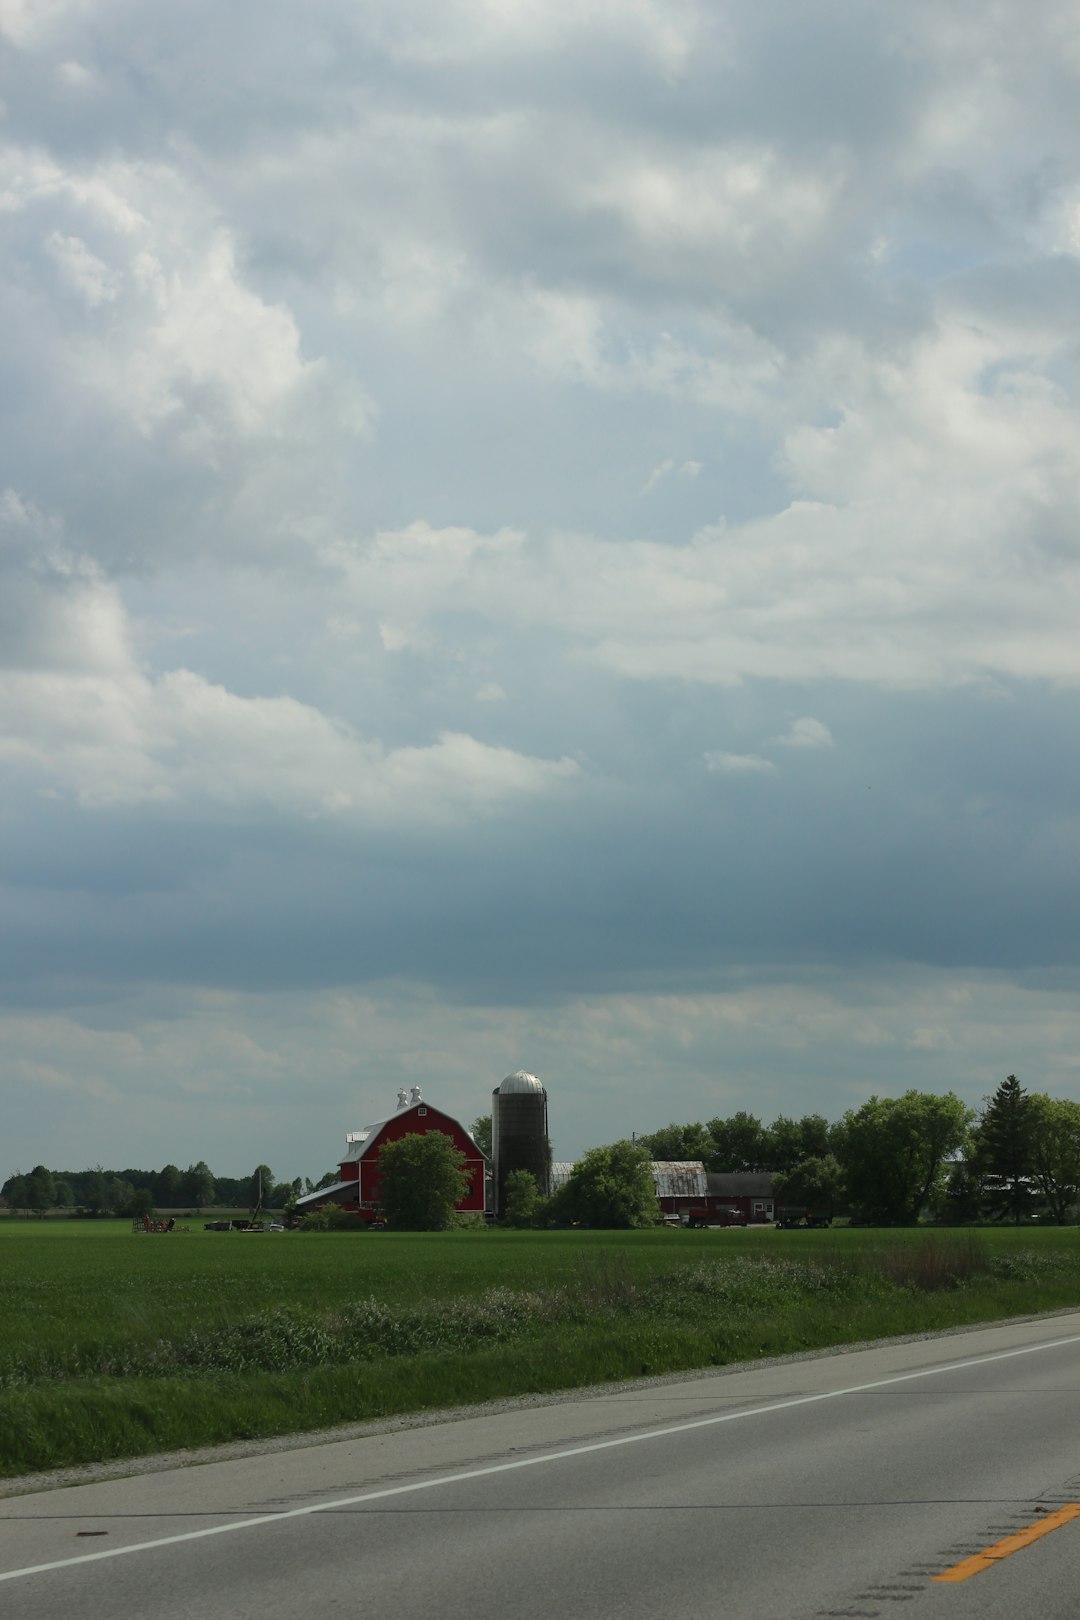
point(528, 1462)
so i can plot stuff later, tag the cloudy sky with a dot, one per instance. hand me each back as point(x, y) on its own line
point(532, 534)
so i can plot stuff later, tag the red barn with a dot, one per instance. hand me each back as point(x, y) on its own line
point(357, 1188)
point(688, 1189)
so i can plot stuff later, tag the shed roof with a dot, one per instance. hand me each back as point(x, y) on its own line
point(740, 1183)
point(325, 1195)
point(679, 1178)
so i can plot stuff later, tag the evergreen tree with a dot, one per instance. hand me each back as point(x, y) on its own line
point(1005, 1133)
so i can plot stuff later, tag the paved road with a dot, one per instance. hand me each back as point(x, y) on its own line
point(838, 1486)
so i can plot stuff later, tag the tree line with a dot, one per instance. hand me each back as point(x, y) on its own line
point(890, 1162)
point(137, 1192)
point(896, 1159)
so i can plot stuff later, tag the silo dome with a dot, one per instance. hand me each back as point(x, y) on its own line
point(518, 1082)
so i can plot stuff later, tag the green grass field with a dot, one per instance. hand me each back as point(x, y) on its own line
point(114, 1344)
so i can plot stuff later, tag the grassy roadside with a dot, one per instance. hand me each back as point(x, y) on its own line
point(147, 1349)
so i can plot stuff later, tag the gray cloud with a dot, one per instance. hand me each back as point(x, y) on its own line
point(464, 466)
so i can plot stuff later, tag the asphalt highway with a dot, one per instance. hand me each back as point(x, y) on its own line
point(844, 1485)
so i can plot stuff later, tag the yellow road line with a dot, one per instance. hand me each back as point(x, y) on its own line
point(1010, 1544)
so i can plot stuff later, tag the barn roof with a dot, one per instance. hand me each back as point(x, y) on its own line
point(672, 1178)
point(325, 1195)
point(740, 1183)
point(358, 1143)
point(679, 1178)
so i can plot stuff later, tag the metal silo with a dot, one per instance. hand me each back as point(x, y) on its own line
point(519, 1132)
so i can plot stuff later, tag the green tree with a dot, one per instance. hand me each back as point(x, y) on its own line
point(421, 1181)
point(140, 1204)
point(816, 1183)
point(118, 1194)
point(15, 1191)
point(261, 1187)
point(782, 1146)
point(738, 1143)
point(816, 1136)
point(94, 1191)
point(678, 1143)
point(65, 1197)
point(481, 1134)
point(1005, 1151)
point(521, 1201)
point(170, 1182)
point(1055, 1153)
point(610, 1187)
point(197, 1185)
point(960, 1197)
point(893, 1152)
point(40, 1190)
point(788, 1142)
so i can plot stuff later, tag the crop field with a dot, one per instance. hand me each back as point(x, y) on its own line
point(114, 1344)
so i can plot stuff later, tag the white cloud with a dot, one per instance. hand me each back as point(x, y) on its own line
point(687, 469)
point(77, 710)
point(299, 1068)
point(736, 764)
point(744, 209)
point(927, 542)
point(179, 739)
point(84, 271)
point(31, 23)
point(806, 733)
point(656, 476)
point(162, 352)
point(838, 268)
point(76, 76)
point(405, 576)
point(471, 30)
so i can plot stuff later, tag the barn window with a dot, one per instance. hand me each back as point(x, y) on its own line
point(421, 1110)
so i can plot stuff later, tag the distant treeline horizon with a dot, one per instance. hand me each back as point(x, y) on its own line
point(890, 1160)
point(98, 1190)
